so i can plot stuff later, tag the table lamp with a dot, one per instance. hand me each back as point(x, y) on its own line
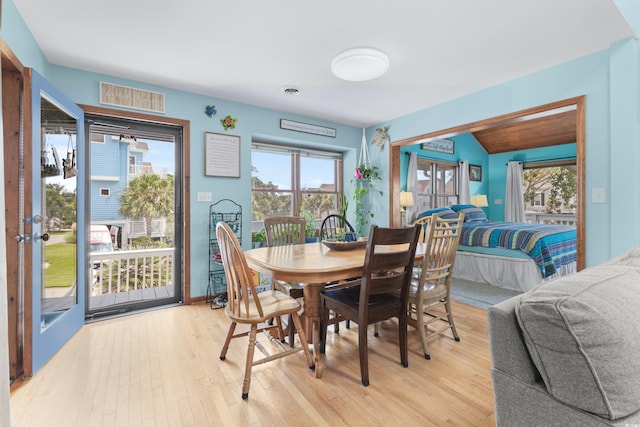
point(406, 199)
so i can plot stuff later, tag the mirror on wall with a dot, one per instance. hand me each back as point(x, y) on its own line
point(58, 218)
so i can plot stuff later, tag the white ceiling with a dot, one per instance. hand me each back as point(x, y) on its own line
point(247, 51)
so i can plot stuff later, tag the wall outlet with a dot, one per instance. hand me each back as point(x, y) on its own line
point(204, 196)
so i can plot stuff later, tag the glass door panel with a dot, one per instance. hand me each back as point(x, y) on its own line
point(133, 196)
point(56, 220)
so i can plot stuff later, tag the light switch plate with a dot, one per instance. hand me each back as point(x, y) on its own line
point(598, 195)
point(497, 202)
point(204, 196)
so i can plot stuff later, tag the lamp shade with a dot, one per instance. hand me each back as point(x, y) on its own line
point(406, 198)
point(479, 200)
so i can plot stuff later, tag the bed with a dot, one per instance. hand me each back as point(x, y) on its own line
point(517, 256)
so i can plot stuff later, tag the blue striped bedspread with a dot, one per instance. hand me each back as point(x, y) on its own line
point(550, 246)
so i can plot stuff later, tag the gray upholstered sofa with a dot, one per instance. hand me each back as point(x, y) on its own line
point(568, 352)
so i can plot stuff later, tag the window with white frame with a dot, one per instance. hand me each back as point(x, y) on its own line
point(437, 184)
point(105, 192)
point(538, 199)
point(287, 180)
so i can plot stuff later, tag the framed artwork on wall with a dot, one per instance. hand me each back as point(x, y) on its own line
point(475, 172)
point(221, 155)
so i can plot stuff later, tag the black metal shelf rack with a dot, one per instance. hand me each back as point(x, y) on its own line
point(230, 212)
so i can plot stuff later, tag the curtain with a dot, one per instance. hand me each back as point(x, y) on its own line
point(412, 185)
point(514, 198)
point(464, 194)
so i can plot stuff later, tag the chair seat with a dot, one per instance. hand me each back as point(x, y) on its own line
point(432, 291)
point(274, 303)
point(349, 298)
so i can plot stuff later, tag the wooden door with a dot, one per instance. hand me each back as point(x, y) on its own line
point(12, 91)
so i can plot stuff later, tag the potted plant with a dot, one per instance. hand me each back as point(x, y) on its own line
point(259, 238)
point(310, 231)
point(365, 178)
point(343, 207)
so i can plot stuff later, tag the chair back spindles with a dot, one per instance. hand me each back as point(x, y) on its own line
point(333, 225)
point(239, 282)
point(285, 230)
point(441, 238)
point(432, 288)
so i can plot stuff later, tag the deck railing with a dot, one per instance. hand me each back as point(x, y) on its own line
point(125, 271)
point(543, 218)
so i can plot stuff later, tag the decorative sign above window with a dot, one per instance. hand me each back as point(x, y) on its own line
point(123, 96)
point(307, 128)
point(446, 146)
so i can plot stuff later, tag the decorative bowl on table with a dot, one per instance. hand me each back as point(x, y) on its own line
point(340, 245)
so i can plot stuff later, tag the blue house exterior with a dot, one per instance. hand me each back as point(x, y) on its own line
point(113, 163)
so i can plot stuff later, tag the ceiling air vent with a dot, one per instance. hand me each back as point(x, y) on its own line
point(291, 90)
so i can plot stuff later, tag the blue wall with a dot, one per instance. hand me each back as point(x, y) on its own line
point(253, 122)
point(609, 79)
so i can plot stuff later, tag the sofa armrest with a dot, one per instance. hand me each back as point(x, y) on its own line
point(508, 350)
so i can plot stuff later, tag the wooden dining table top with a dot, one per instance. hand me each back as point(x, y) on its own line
point(310, 262)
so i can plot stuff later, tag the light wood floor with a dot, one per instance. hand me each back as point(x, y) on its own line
point(161, 368)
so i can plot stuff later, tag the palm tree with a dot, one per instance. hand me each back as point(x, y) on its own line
point(148, 196)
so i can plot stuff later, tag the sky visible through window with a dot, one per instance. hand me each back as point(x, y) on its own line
point(276, 168)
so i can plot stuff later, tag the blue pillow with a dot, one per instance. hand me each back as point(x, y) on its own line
point(458, 208)
point(472, 213)
point(445, 213)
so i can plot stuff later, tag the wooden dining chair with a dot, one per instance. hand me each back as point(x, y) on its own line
point(430, 290)
point(246, 306)
point(382, 293)
point(286, 230)
point(333, 227)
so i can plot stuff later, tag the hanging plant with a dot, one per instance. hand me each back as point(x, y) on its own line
point(229, 122)
point(364, 180)
point(210, 110)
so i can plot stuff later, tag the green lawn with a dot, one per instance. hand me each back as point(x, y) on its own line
point(68, 234)
point(61, 271)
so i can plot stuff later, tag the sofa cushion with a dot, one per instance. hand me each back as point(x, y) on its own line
point(630, 258)
point(583, 335)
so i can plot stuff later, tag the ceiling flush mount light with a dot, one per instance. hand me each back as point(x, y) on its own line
point(360, 64)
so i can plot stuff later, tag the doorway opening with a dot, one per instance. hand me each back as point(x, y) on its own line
point(136, 232)
point(539, 120)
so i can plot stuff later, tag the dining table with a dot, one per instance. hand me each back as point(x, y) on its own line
point(313, 265)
